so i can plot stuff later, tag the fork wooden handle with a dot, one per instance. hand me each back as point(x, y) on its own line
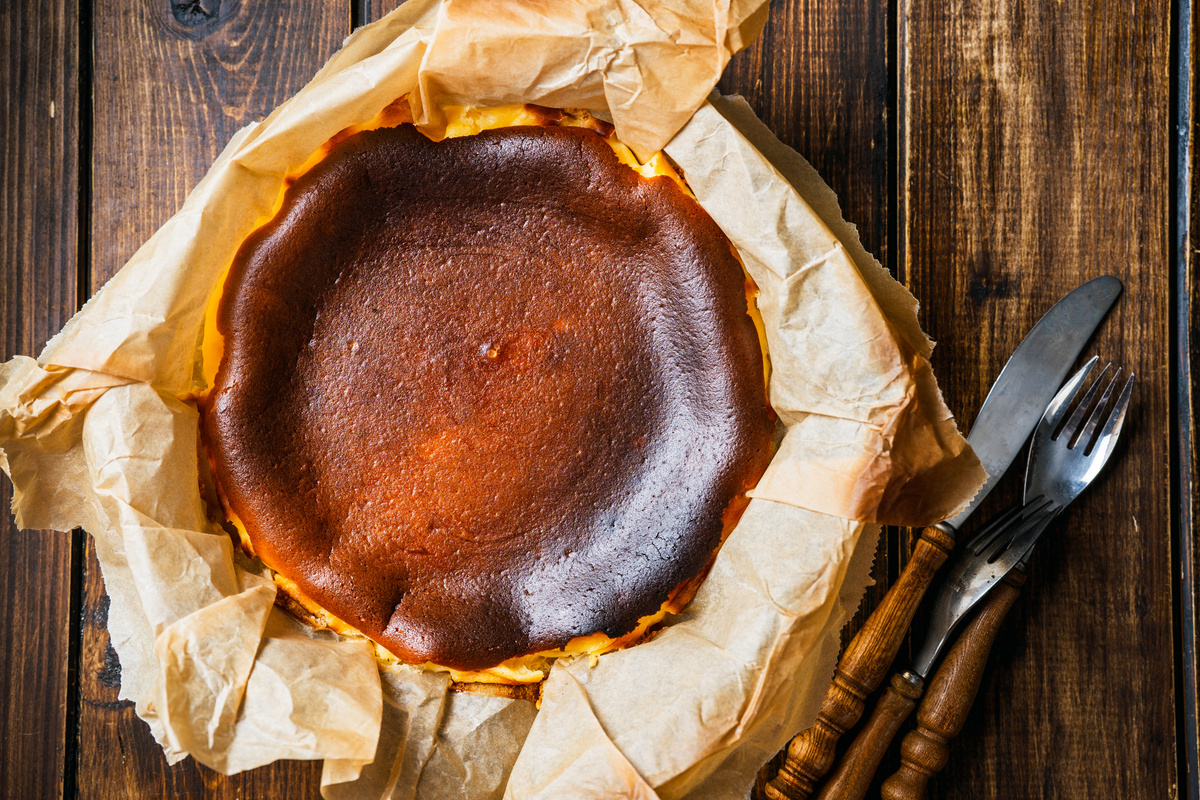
point(856, 768)
point(861, 670)
point(923, 752)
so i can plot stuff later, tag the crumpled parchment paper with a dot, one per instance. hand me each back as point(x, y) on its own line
point(101, 432)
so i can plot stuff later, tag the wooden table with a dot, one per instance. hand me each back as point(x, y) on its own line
point(993, 156)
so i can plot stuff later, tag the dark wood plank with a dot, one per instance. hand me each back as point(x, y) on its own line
point(373, 10)
point(35, 585)
point(39, 209)
point(1186, 351)
point(1036, 156)
point(173, 82)
point(818, 77)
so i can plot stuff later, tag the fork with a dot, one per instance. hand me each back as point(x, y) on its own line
point(1051, 483)
point(1063, 460)
point(985, 559)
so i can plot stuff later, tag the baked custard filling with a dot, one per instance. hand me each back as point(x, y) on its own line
point(487, 395)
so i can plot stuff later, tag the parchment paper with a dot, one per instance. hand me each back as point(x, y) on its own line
point(101, 432)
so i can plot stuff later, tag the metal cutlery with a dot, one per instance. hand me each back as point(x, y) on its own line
point(1009, 413)
point(980, 564)
point(1065, 457)
point(1063, 460)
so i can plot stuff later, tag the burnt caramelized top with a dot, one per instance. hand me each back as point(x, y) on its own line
point(484, 395)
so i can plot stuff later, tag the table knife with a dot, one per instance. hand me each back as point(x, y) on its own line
point(1059, 471)
point(990, 557)
point(1009, 414)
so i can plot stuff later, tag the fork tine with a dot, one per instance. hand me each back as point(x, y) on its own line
point(1032, 515)
point(1107, 439)
point(1024, 539)
point(1100, 413)
point(1069, 430)
point(1062, 401)
point(994, 528)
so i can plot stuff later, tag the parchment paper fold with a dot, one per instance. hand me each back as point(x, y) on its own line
point(101, 432)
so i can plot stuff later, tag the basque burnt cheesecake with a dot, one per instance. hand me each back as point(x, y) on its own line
point(483, 396)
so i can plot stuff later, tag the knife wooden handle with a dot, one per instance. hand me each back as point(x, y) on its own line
point(861, 670)
point(856, 768)
point(923, 752)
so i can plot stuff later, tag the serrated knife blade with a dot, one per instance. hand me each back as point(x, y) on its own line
point(1027, 384)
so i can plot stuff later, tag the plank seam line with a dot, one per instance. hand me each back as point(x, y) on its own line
point(1181, 423)
point(83, 242)
point(897, 537)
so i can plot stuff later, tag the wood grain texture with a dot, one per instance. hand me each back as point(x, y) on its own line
point(372, 10)
point(854, 772)
point(1034, 156)
point(173, 82)
point(39, 172)
point(951, 693)
point(818, 77)
point(860, 670)
point(1186, 353)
